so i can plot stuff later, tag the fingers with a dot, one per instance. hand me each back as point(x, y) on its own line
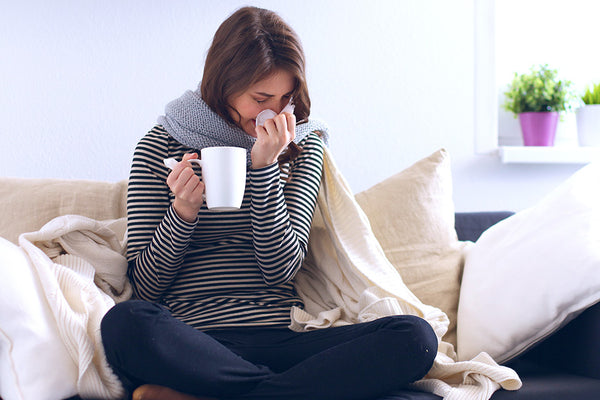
point(184, 183)
point(272, 138)
point(280, 123)
point(187, 188)
point(173, 180)
point(291, 123)
point(281, 128)
point(189, 156)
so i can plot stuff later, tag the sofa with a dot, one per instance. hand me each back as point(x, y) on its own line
point(439, 253)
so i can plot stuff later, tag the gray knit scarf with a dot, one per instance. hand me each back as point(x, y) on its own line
point(191, 122)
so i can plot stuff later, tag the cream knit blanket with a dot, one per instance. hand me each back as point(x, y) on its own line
point(82, 272)
point(347, 279)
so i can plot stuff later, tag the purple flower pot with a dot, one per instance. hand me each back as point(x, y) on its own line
point(539, 128)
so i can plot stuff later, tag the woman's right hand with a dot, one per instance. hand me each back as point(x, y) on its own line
point(187, 188)
point(272, 139)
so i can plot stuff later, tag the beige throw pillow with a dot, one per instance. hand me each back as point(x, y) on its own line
point(412, 216)
point(30, 203)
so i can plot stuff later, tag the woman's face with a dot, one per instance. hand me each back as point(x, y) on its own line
point(273, 93)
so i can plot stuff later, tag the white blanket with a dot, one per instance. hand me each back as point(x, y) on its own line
point(346, 279)
point(74, 257)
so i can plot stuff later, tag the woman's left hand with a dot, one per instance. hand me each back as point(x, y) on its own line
point(272, 139)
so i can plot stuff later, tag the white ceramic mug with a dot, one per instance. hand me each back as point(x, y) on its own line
point(224, 176)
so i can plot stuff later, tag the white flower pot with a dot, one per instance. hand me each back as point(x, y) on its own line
point(588, 125)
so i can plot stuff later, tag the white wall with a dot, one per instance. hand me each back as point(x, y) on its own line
point(82, 81)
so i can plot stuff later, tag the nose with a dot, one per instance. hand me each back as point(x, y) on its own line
point(278, 107)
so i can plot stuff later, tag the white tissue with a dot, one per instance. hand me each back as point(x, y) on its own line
point(269, 114)
point(170, 162)
point(263, 116)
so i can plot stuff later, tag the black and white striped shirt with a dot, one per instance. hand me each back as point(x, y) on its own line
point(227, 269)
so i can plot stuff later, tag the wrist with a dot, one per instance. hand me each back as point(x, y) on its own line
point(185, 212)
point(263, 164)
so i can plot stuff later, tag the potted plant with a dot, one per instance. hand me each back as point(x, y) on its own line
point(537, 98)
point(588, 117)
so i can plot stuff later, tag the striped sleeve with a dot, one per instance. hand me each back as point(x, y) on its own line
point(281, 212)
point(157, 238)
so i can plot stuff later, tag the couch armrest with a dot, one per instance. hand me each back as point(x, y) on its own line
point(470, 225)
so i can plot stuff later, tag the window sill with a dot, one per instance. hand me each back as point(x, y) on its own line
point(549, 155)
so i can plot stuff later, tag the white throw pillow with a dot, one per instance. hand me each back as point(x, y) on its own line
point(34, 363)
point(532, 273)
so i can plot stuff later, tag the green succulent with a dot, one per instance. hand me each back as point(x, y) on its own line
point(538, 91)
point(592, 94)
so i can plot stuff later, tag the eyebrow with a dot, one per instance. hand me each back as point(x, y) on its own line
point(272, 95)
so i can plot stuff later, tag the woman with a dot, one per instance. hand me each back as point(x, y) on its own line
point(215, 289)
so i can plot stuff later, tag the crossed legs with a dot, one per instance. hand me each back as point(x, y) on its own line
point(145, 344)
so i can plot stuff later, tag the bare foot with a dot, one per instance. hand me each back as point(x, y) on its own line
point(156, 392)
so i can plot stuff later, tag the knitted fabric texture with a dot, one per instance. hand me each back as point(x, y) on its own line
point(191, 122)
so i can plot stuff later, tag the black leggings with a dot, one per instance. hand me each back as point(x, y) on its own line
point(145, 344)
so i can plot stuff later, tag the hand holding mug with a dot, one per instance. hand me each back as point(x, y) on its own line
point(223, 181)
point(187, 188)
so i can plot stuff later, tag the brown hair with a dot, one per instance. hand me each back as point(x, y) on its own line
point(249, 46)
